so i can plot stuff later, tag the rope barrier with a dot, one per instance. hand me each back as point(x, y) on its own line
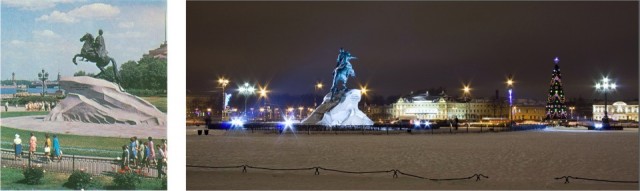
point(317, 171)
point(566, 179)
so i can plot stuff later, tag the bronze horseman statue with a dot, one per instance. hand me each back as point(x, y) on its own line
point(343, 71)
point(94, 50)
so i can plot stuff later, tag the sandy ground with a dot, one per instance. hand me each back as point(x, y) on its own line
point(36, 123)
point(512, 160)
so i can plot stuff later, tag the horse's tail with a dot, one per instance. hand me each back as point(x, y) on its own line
point(116, 76)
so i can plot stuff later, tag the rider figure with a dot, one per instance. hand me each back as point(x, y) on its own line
point(99, 46)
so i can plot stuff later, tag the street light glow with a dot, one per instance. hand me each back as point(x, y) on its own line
point(263, 92)
point(363, 90)
point(319, 85)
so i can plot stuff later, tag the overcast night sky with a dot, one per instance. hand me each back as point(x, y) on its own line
point(405, 46)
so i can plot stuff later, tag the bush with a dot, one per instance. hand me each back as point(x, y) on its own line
point(127, 180)
point(164, 183)
point(146, 92)
point(79, 179)
point(33, 175)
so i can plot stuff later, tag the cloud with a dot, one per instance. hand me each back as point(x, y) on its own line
point(128, 34)
point(96, 10)
point(57, 17)
point(127, 24)
point(45, 34)
point(91, 11)
point(35, 4)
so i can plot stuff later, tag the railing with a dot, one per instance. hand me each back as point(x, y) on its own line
point(94, 165)
point(369, 129)
point(317, 169)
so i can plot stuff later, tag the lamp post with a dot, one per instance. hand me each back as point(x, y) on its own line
point(263, 95)
point(467, 93)
point(223, 83)
point(510, 87)
point(246, 91)
point(605, 86)
point(571, 110)
point(300, 111)
point(43, 76)
point(317, 88)
point(363, 91)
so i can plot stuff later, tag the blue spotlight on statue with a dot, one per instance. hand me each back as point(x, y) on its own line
point(598, 125)
point(237, 122)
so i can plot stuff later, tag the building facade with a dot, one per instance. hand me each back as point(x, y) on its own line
point(443, 107)
point(618, 111)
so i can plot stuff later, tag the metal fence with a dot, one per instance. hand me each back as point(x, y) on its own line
point(369, 129)
point(317, 170)
point(93, 165)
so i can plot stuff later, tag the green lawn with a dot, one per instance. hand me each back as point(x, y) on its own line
point(11, 180)
point(22, 113)
point(71, 144)
point(159, 102)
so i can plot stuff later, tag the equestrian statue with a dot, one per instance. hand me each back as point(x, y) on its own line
point(342, 72)
point(94, 50)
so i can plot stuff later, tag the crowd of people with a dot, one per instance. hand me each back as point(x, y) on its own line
point(51, 149)
point(144, 154)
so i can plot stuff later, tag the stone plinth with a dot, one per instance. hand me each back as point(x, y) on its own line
point(92, 100)
point(342, 110)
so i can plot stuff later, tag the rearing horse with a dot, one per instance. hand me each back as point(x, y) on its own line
point(88, 53)
point(342, 72)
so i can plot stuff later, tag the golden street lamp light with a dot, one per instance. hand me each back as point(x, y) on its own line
point(223, 82)
point(317, 88)
point(510, 87)
point(467, 95)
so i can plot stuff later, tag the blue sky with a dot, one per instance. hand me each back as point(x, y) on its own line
point(38, 35)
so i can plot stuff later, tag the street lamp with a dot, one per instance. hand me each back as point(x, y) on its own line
point(246, 90)
point(571, 110)
point(300, 111)
point(467, 93)
point(43, 76)
point(317, 88)
point(223, 83)
point(605, 86)
point(363, 91)
point(263, 95)
point(510, 86)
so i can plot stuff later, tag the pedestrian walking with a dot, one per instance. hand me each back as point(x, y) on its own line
point(33, 142)
point(47, 147)
point(125, 157)
point(162, 161)
point(17, 147)
point(133, 151)
point(57, 152)
point(152, 152)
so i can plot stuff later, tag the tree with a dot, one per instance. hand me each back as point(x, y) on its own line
point(556, 107)
point(82, 73)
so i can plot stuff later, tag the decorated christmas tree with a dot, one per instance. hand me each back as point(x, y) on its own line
point(556, 109)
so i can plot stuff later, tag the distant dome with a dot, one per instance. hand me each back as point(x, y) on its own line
point(619, 103)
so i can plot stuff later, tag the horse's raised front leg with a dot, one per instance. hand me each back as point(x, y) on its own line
point(74, 58)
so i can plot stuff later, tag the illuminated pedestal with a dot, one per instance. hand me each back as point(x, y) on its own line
point(342, 110)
